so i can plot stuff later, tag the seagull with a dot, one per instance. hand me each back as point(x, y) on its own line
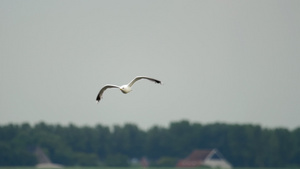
point(124, 88)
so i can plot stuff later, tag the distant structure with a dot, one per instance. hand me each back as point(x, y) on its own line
point(209, 158)
point(43, 160)
point(144, 162)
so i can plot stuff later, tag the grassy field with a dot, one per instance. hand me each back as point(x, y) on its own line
point(131, 168)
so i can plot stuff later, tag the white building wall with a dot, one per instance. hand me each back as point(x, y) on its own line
point(217, 163)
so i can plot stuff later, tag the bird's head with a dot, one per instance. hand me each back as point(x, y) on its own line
point(122, 88)
point(125, 89)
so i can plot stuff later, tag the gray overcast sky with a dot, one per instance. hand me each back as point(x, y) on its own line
point(220, 61)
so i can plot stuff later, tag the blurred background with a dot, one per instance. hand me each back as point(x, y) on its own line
point(232, 63)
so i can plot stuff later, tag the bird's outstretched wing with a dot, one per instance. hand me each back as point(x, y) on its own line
point(143, 77)
point(99, 96)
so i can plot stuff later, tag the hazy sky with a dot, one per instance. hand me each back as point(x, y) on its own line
point(220, 61)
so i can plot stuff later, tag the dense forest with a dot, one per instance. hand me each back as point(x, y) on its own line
point(241, 145)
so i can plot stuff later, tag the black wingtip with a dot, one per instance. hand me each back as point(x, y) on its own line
point(98, 99)
point(158, 81)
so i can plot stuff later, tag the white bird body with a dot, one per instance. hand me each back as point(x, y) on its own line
point(124, 88)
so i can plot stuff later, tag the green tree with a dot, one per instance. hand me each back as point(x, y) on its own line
point(157, 143)
point(117, 160)
point(166, 162)
point(242, 145)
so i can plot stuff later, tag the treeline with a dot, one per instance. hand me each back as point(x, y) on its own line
point(241, 145)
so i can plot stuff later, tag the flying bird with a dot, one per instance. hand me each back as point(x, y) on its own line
point(124, 88)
